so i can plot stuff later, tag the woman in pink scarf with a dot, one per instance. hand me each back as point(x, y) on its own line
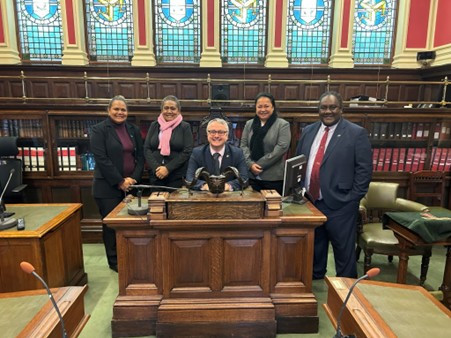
point(168, 145)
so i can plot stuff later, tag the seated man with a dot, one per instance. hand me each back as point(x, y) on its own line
point(227, 156)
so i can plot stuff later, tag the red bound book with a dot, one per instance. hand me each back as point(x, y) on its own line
point(448, 161)
point(387, 160)
point(422, 159)
point(442, 161)
point(394, 160)
point(402, 159)
point(375, 158)
point(436, 153)
point(414, 130)
point(437, 131)
point(409, 159)
point(426, 128)
point(380, 160)
point(420, 130)
point(416, 159)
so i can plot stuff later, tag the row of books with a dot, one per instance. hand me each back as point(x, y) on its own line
point(21, 128)
point(75, 128)
point(409, 130)
point(410, 159)
point(33, 158)
point(69, 160)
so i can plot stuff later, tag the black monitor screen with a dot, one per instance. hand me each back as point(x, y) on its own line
point(294, 171)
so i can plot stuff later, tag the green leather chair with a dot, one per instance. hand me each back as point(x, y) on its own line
point(372, 238)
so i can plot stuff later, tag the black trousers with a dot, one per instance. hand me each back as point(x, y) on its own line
point(106, 205)
point(266, 185)
point(339, 229)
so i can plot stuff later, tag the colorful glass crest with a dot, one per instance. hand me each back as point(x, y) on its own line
point(373, 31)
point(40, 33)
point(177, 31)
point(110, 29)
point(243, 31)
point(308, 31)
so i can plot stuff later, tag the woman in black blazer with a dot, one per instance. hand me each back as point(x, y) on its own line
point(118, 152)
point(168, 145)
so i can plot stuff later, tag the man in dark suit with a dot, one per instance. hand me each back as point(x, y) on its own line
point(216, 156)
point(338, 174)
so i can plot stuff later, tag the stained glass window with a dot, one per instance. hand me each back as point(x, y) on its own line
point(308, 31)
point(243, 31)
point(110, 29)
point(373, 31)
point(40, 34)
point(177, 31)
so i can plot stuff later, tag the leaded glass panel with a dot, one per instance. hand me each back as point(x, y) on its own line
point(40, 34)
point(374, 22)
point(243, 31)
point(177, 31)
point(308, 31)
point(110, 29)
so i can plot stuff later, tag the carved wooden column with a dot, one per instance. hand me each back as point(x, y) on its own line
point(211, 11)
point(9, 53)
point(74, 46)
point(143, 33)
point(341, 52)
point(277, 37)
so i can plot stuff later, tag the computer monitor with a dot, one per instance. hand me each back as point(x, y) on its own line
point(293, 174)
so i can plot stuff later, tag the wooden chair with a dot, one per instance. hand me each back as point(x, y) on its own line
point(372, 238)
point(427, 187)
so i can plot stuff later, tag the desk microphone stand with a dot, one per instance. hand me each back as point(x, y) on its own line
point(6, 223)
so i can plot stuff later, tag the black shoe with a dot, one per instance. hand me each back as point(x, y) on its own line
point(113, 267)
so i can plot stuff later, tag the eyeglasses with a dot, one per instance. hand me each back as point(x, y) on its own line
point(217, 132)
point(331, 108)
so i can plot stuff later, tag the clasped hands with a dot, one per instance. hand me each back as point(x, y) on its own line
point(161, 172)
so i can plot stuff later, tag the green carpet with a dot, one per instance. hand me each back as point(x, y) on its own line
point(103, 287)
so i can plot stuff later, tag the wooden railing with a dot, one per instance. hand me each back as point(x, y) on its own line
point(328, 83)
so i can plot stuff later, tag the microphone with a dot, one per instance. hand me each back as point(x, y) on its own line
point(28, 268)
point(369, 274)
point(10, 222)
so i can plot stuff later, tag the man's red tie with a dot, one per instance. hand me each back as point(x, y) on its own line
point(314, 176)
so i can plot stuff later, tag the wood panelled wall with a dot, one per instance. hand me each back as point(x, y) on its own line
point(62, 82)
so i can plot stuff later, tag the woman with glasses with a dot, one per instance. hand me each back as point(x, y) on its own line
point(265, 141)
point(168, 145)
point(118, 152)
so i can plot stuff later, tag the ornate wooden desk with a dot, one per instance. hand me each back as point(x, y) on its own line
point(205, 265)
point(379, 309)
point(51, 242)
point(408, 238)
point(31, 314)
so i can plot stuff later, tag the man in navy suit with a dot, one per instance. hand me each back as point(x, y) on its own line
point(338, 174)
point(226, 154)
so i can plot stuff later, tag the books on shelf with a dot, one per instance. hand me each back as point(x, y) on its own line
point(75, 128)
point(67, 158)
point(407, 159)
point(70, 160)
point(33, 158)
point(26, 128)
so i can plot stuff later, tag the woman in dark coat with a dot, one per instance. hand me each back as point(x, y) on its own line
point(118, 152)
point(168, 145)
